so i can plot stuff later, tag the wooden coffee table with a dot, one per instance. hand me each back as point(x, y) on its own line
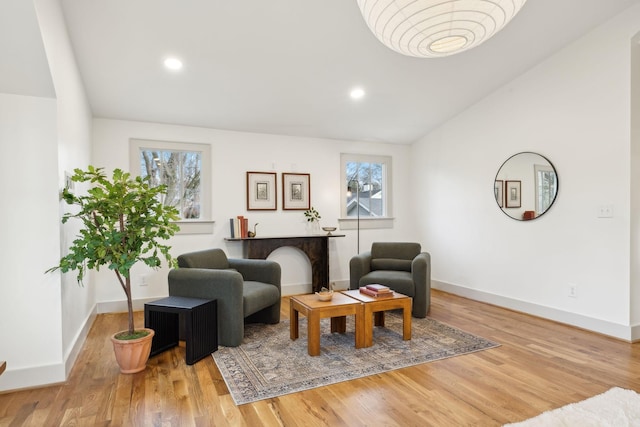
point(374, 309)
point(337, 309)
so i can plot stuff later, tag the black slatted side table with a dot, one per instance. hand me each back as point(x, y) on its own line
point(201, 325)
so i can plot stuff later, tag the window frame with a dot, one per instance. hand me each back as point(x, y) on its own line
point(385, 221)
point(204, 224)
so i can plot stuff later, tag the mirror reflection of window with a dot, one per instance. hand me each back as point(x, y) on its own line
point(546, 187)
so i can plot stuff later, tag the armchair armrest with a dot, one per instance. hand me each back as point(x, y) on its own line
point(257, 270)
point(421, 274)
point(225, 286)
point(359, 265)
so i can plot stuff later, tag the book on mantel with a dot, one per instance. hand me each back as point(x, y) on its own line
point(376, 291)
point(239, 227)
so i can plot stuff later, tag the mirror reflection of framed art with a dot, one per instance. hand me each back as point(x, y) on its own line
point(512, 194)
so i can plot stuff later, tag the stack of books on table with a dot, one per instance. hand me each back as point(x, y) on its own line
point(376, 291)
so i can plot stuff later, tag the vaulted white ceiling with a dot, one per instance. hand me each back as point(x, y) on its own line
point(287, 66)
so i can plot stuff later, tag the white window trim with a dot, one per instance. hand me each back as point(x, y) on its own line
point(204, 224)
point(351, 223)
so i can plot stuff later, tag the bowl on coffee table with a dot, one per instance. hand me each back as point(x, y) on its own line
point(324, 295)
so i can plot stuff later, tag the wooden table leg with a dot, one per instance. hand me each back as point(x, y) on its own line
point(339, 324)
point(313, 333)
point(367, 326)
point(293, 322)
point(406, 321)
point(378, 318)
point(360, 327)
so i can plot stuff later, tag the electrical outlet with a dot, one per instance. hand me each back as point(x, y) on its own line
point(573, 291)
point(605, 211)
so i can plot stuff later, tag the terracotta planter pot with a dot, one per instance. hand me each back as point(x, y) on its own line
point(132, 355)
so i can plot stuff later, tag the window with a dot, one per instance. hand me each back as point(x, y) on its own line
point(366, 189)
point(183, 167)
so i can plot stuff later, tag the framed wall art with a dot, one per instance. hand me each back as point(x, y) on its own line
point(498, 192)
point(261, 191)
point(512, 193)
point(296, 191)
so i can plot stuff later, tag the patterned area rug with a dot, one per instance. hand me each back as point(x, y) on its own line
point(270, 364)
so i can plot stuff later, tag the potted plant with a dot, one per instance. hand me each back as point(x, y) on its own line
point(124, 220)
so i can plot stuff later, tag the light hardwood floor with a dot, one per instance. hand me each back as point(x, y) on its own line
point(540, 365)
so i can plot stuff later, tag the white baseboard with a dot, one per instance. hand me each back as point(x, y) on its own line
point(38, 376)
point(293, 289)
point(35, 376)
point(623, 332)
point(341, 285)
point(120, 306)
point(78, 342)
point(635, 333)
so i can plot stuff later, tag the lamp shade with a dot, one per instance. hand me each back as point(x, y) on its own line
point(435, 28)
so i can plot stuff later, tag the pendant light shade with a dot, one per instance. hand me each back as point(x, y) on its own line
point(434, 28)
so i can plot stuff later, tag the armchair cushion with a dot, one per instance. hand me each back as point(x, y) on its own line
point(257, 296)
point(390, 264)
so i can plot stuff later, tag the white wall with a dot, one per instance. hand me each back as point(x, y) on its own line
point(74, 144)
point(29, 299)
point(235, 153)
point(635, 182)
point(574, 109)
point(45, 317)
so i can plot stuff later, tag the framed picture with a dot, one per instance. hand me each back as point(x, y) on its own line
point(498, 192)
point(296, 191)
point(261, 191)
point(512, 193)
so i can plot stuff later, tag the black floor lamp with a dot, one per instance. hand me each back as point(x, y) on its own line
point(358, 215)
point(349, 194)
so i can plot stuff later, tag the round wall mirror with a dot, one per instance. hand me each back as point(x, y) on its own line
point(526, 186)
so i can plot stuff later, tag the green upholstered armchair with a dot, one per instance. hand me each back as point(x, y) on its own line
point(398, 265)
point(247, 290)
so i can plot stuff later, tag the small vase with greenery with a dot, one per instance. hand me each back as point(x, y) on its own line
point(313, 216)
point(124, 221)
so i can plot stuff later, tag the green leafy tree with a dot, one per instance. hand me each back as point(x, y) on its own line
point(180, 171)
point(124, 222)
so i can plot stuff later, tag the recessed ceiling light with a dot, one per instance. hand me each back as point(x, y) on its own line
point(173, 63)
point(357, 93)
